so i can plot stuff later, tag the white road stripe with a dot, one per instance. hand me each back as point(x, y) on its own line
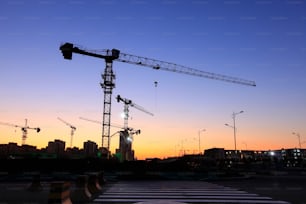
point(190, 201)
point(184, 192)
point(184, 196)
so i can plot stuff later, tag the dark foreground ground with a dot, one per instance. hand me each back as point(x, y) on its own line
point(290, 188)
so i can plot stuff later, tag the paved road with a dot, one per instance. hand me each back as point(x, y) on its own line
point(178, 192)
point(289, 188)
point(262, 189)
point(18, 193)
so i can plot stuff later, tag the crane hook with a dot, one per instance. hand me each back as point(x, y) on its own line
point(155, 83)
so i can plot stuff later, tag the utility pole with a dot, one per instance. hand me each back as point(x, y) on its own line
point(234, 127)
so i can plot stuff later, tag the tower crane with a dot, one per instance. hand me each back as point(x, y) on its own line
point(24, 129)
point(126, 137)
point(108, 76)
point(127, 103)
point(73, 129)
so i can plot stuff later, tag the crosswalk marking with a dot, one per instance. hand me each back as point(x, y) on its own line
point(178, 191)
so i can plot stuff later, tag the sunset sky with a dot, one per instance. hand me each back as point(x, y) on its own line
point(259, 40)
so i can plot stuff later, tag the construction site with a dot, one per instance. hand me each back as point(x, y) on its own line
point(108, 84)
point(164, 102)
point(124, 150)
point(97, 173)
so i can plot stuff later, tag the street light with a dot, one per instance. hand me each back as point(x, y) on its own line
point(202, 130)
point(234, 127)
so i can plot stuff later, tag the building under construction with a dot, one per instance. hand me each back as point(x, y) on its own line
point(125, 152)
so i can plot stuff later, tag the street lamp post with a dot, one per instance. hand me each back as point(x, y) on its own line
point(202, 130)
point(234, 127)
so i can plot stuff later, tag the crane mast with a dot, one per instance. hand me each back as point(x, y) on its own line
point(108, 77)
point(24, 129)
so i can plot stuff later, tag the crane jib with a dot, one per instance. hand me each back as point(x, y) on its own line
point(115, 54)
point(168, 66)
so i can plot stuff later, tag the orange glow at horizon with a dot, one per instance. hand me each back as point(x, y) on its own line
point(151, 143)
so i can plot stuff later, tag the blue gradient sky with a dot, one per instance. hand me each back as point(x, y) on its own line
point(259, 40)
